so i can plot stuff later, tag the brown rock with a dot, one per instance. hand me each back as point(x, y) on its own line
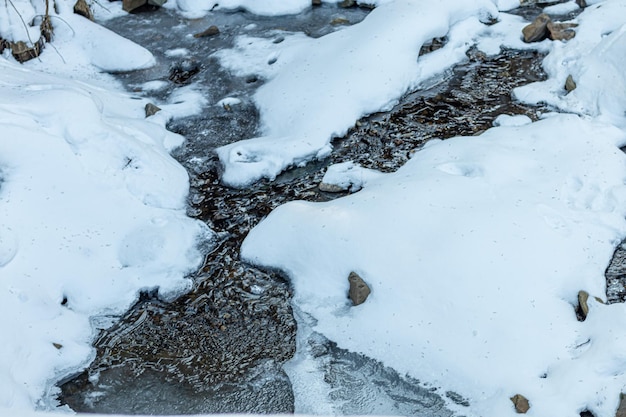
point(561, 31)
point(22, 52)
point(570, 84)
point(581, 3)
point(358, 289)
point(151, 109)
point(583, 304)
point(521, 403)
point(340, 21)
point(316, 2)
point(347, 3)
point(130, 5)
point(82, 8)
point(211, 31)
point(537, 30)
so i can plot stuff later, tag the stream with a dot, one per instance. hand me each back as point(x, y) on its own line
point(229, 346)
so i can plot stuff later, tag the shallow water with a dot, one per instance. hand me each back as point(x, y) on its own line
point(222, 347)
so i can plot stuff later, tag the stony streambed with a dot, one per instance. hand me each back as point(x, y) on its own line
point(221, 347)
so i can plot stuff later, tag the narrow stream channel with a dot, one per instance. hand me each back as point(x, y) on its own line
point(221, 348)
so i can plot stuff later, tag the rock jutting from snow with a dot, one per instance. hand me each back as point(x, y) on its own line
point(570, 84)
point(347, 3)
point(521, 403)
point(359, 290)
point(151, 109)
point(537, 30)
point(583, 304)
point(581, 3)
point(561, 31)
point(82, 8)
point(210, 31)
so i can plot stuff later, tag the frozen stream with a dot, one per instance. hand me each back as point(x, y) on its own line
point(222, 347)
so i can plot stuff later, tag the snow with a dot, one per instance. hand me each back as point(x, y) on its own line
point(475, 250)
point(92, 205)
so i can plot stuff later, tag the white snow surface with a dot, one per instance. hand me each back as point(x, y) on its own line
point(92, 206)
point(476, 249)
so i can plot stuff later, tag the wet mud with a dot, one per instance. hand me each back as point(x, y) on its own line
point(221, 347)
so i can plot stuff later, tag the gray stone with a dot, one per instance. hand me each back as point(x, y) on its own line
point(521, 404)
point(210, 31)
point(82, 8)
point(570, 84)
point(537, 30)
point(358, 289)
point(331, 188)
point(151, 109)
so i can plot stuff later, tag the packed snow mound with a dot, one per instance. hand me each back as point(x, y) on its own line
point(199, 8)
point(325, 85)
point(474, 251)
point(93, 211)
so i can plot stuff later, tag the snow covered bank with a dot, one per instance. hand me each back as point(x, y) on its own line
point(595, 59)
point(318, 88)
point(92, 206)
point(197, 8)
point(475, 251)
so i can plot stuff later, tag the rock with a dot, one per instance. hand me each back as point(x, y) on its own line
point(358, 289)
point(181, 72)
point(570, 84)
point(211, 31)
point(561, 31)
point(57, 345)
point(537, 30)
point(82, 8)
point(151, 109)
point(157, 2)
point(581, 3)
point(22, 52)
point(621, 408)
point(340, 21)
point(521, 403)
point(583, 304)
point(347, 3)
point(130, 5)
point(331, 188)
point(316, 2)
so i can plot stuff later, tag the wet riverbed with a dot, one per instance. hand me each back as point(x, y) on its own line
point(222, 347)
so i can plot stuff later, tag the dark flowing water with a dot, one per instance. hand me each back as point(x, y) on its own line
point(222, 347)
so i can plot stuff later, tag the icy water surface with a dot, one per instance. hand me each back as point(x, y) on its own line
point(224, 346)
